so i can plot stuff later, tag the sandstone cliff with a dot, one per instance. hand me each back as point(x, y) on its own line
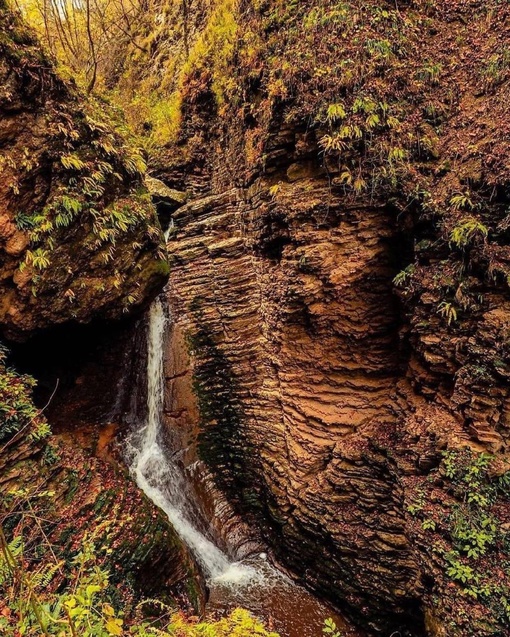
point(339, 277)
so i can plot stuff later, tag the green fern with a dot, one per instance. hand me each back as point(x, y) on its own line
point(364, 105)
point(466, 231)
point(431, 73)
point(332, 143)
point(68, 209)
point(402, 277)
point(15, 550)
point(44, 577)
point(72, 162)
point(335, 112)
point(448, 311)
point(373, 120)
point(135, 164)
point(39, 258)
point(24, 221)
point(42, 431)
point(397, 155)
point(462, 201)
point(380, 48)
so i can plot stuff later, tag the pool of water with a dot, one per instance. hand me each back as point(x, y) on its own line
point(280, 603)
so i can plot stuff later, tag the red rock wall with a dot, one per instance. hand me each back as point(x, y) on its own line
point(327, 394)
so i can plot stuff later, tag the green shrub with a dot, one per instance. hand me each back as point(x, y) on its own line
point(466, 231)
point(17, 411)
point(83, 607)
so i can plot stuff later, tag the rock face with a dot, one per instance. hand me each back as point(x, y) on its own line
point(79, 241)
point(295, 339)
point(91, 500)
point(339, 277)
point(78, 238)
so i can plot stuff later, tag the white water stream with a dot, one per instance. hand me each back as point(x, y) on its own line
point(162, 479)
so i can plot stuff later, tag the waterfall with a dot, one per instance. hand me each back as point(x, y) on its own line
point(254, 583)
point(161, 478)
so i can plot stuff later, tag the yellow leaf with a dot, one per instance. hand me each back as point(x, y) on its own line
point(108, 610)
point(114, 626)
point(91, 589)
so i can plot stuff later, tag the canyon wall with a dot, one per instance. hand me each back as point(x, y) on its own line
point(79, 236)
point(80, 243)
point(339, 280)
point(296, 359)
point(339, 292)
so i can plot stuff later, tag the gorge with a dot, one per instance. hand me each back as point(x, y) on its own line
point(251, 583)
point(324, 378)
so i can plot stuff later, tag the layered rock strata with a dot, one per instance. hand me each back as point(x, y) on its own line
point(344, 298)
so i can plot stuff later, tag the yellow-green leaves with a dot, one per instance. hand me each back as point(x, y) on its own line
point(114, 626)
point(72, 162)
point(38, 258)
point(335, 112)
point(466, 231)
point(448, 311)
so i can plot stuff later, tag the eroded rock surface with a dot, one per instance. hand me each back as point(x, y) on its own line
point(296, 337)
point(346, 310)
point(340, 282)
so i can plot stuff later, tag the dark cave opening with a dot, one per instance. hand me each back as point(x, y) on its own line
point(85, 373)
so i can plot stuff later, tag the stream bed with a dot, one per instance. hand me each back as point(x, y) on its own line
point(284, 606)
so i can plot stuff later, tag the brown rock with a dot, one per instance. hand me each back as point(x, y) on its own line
point(17, 244)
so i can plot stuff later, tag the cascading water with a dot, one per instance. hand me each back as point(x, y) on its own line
point(255, 585)
point(161, 478)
